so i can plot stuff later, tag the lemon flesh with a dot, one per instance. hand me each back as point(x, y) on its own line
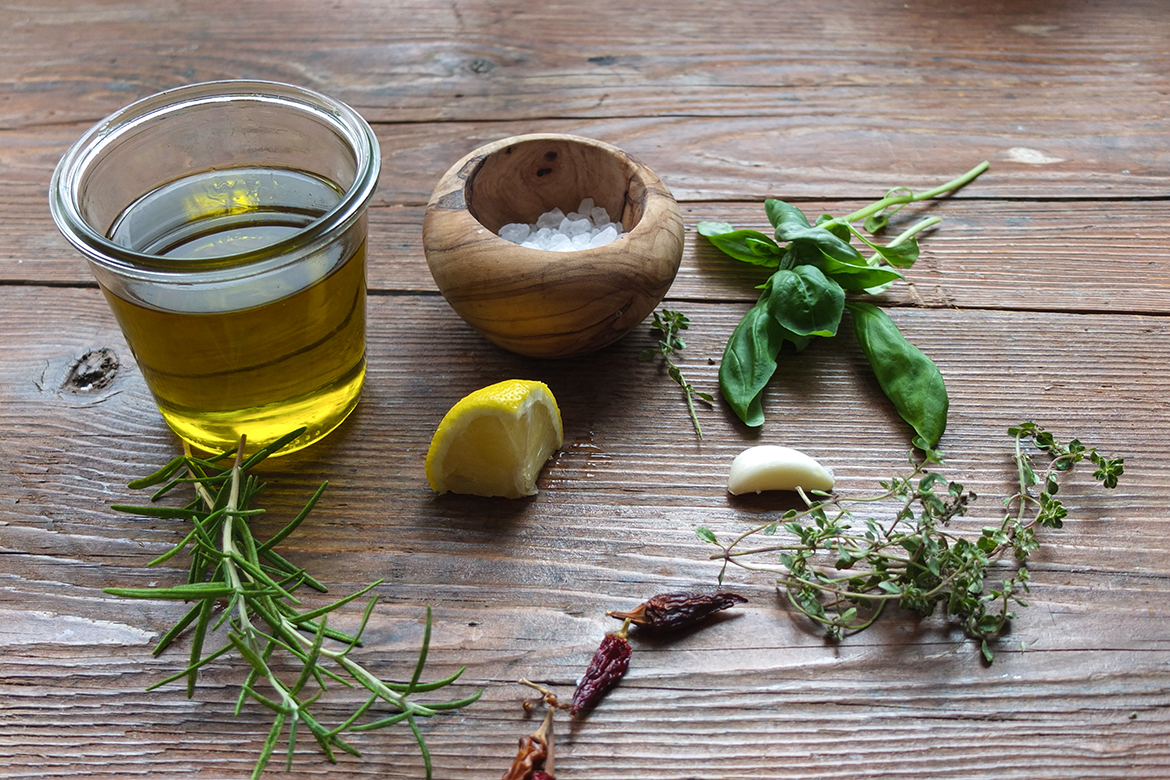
point(495, 441)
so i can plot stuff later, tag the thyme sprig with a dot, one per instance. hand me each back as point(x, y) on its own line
point(842, 573)
point(263, 617)
point(668, 325)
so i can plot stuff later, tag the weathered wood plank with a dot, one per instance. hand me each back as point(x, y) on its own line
point(705, 158)
point(520, 589)
point(418, 61)
point(923, 731)
point(673, 717)
point(987, 254)
point(844, 97)
point(1043, 295)
point(630, 454)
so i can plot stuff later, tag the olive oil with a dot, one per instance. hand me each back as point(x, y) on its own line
point(265, 353)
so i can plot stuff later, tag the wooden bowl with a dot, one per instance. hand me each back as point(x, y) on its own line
point(543, 303)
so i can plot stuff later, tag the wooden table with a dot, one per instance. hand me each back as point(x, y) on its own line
point(1044, 295)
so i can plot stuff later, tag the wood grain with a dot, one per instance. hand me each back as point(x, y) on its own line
point(419, 61)
point(1043, 295)
point(520, 588)
point(715, 158)
point(1095, 256)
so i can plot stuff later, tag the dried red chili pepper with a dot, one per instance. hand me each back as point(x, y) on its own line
point(534, 759)
point(677, 611)
point(609, 664)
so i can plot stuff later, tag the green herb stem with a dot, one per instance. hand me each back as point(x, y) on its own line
point(906, 235)
point(830, 570)
point(815, 269)
point(900, 200)
point(669, 325)
point(262, 615)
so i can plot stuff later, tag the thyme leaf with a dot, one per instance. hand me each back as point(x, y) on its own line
point(261, 616)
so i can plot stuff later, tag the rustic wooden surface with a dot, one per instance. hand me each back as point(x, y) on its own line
point(1043, 295)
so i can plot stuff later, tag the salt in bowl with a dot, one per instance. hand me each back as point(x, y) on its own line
point(543, 303)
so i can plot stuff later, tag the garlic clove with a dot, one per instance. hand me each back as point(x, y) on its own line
point(771, 467)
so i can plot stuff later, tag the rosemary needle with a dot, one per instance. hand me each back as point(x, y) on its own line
point(263, 617)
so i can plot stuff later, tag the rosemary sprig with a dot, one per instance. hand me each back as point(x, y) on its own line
point(668, 325)
point(229, 565)
point(842, 575)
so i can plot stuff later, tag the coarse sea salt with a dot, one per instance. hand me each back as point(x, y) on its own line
point(555, 231)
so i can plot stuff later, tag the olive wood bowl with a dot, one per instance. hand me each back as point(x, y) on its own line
point(542, 303)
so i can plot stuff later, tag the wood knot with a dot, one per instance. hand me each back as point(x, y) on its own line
point(95, 370)
point(452, 201)
point(481, 65)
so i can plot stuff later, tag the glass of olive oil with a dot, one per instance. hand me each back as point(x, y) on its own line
point(226, 225)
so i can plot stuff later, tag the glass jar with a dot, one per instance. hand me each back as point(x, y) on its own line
point(225, 223)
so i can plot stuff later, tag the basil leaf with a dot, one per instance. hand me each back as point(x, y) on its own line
point(791, 225)
point(839, 229)
point(909, 378)
point(857, 277)
point(805, 301)
point(875, 223)
point(712, 228)
point(749, 246)
point(797, 341)
point(801, 253)
point(900, 255)
point(749, 360)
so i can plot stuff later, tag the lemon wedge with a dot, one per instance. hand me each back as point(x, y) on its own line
point(495, 441)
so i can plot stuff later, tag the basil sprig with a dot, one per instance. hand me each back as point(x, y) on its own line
point(816, 264)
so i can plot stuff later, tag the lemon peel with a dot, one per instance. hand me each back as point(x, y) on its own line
point(496, 440)
point(772, 467)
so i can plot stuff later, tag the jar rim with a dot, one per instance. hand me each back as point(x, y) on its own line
point(100, 249)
